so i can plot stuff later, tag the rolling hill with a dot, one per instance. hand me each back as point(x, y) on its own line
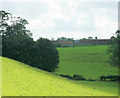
point(19, 79)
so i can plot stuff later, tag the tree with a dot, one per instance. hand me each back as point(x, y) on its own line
point(11, 33)
point(113, 50)
point(4, 17)
point(84, 39)
point(18, 44)
point(96, 37)
point(62, 39)
point(90, 37)
point(47, 55)
point(25, 51)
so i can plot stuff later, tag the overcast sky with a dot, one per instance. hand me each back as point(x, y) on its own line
point(68, 18)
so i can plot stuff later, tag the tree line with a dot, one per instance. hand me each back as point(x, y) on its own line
point(18, 44)
point(113, 49)
point(72, 39)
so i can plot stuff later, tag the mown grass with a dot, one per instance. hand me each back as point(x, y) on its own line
point(89, 61)
point(19, 79)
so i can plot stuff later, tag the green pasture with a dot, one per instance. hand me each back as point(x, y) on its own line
point(89, 61)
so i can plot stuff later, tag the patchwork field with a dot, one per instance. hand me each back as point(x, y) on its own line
point(89, 61)
point(19, 79)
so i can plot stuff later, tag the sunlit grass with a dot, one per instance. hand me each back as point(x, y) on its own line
point(19, 79)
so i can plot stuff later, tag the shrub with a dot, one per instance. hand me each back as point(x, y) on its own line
point(110, 78)
point(78, 77)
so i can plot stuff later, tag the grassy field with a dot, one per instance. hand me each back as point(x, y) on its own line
point(0, 77)
point(19, 79)
point(89, 61)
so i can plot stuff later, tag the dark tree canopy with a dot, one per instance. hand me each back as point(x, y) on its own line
point(18, 44)
point(90, 37)
point(48, 54)
point(113, 50)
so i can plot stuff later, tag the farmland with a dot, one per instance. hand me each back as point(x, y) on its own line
point(19, 79)
point(89, 61)
point(35, 67)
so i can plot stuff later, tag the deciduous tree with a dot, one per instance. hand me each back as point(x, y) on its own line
point(113, 50)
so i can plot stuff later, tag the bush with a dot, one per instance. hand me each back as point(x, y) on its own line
point(47, 57)
point(78, 77)
point(110, 78)
point(74, 77)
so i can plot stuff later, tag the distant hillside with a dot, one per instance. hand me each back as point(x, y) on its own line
point(19, 79)
point(89, 61)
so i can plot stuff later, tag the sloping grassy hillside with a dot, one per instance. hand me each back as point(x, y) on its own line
point(0, 77)
point(19, 79)
point(89, 61)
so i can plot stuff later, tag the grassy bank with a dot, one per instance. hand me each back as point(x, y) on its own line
point(19, 79)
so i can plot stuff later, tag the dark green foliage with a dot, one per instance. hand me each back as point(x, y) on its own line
point(90, 37)
point(46, 54)
point(96, 37)
point(18, 44)
point(110, 78)
point(65, 39)
point(74, 77)
point(114, 50)
point(78, 77)
point(102, 78)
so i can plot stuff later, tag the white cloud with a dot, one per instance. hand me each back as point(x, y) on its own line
point(104, 26)
point(55, 18)
point(81, 20)
point(45, 23)
point(56, 0)
point(41, 22)
point(97, 22)
point(72, 6)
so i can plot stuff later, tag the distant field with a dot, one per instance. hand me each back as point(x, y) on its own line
point(19, 79)
point(89, 61)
